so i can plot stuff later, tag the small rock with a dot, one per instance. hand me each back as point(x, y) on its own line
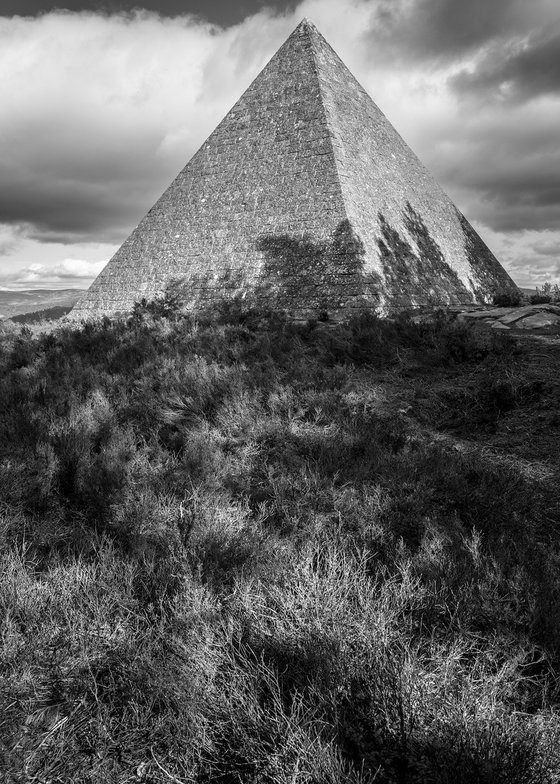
point(484, 314)
point(527, 310)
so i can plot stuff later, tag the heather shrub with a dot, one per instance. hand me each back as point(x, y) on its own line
point(540, 299)
point(242, 549)
point(547, 293)
point(507, 298)
point(435, 342)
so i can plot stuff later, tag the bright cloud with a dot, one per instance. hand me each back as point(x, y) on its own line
point(11, 237)
point(68, 273)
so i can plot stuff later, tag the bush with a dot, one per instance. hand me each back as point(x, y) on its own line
point(507, 298)
point(547, 294)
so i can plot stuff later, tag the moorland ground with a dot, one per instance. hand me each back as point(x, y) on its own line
point(244, 550)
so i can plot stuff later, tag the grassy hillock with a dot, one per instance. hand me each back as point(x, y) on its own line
point(251, 551)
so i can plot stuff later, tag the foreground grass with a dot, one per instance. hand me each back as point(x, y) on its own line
point(229, 555)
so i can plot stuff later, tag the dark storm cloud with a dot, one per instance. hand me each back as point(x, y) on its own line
point(67, 188)
point(488, 60)
point(506, 176)
point(99, 113)
point(441, 29)
point(63, 211)
point(513, 45)
point(222, 12)
point(518, 72)
point(446, 31)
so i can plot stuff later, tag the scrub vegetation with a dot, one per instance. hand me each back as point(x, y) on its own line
point(246, 550)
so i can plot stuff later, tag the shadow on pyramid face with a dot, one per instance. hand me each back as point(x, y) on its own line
point(319, 276)
point(423, 276)
point(487, 270)
point(298, 275)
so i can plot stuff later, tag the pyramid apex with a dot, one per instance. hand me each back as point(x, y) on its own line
point(305, 24)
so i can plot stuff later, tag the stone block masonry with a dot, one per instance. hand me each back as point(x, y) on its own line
point(303, 199)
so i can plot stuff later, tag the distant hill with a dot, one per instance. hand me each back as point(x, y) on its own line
point(15, 303)
point(36, 316)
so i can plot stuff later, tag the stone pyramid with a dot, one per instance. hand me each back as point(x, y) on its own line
point(303, 199)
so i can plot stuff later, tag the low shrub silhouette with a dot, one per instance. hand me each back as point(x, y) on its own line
point(507, 298)
point(546, 294)
point(540, 299)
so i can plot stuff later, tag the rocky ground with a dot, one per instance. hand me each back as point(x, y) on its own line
point(524, 317)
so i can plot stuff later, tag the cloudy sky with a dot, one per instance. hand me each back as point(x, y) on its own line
point(102, 103)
